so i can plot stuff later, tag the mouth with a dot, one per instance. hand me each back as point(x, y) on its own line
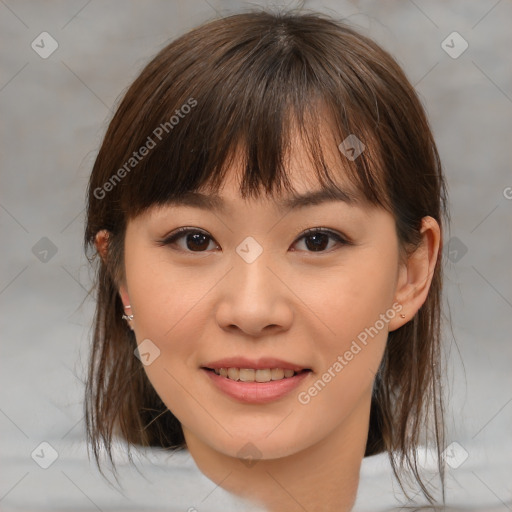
point(255, 382)
point(260, 375)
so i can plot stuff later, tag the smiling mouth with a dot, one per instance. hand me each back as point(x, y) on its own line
point(253, 375)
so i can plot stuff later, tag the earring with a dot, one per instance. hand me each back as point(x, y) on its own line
point(127, 317)
point(401, 316)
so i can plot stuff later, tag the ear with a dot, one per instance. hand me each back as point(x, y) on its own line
point(127, 308)
point(415, 274)
point(101, 243)
point(125, 298)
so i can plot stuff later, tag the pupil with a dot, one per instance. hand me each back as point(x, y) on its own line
point(319, 244)
point(198, 241)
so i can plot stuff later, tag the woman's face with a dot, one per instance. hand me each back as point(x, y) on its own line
point(247, 288)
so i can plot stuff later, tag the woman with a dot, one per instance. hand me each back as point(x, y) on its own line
point(268, 205)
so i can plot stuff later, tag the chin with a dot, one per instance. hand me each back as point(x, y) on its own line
point(258, 444)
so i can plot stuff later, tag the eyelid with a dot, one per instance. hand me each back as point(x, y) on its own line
point(340, 238)
point(175, 234)
point(306, 230)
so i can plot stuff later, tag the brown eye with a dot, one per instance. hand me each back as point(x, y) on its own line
point(194, 240)
point(197, 241)
point(317, 240)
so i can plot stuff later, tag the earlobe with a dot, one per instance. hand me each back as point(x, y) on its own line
point(123, 292)
point(415, 275)
point(128, 312)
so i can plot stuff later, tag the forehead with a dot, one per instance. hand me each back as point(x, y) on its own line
point(301, 170)
point(306, 168)
point(225, 203)
point(305, 188)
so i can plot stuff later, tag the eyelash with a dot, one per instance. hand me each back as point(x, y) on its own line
point(181, 232)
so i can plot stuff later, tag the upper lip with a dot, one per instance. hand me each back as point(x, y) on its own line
point(257, 364)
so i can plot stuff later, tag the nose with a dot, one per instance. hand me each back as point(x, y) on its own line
point(255, 299)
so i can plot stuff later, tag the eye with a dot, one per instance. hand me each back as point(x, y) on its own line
point(317, 239)
point(195, 240)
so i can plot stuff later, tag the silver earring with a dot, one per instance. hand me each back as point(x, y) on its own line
point(127, 317)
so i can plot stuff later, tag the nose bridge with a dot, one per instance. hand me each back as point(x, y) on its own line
point(251, 272)
point(254, 298)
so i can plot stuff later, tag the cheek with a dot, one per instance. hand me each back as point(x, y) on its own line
point(164, 296)
point(351, 297)
point(171, 306)
point(353, 308)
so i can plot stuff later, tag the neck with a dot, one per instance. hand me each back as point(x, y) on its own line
point(322, 478)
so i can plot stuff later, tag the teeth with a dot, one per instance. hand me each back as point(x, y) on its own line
point(263, 375)
point(251, 375)
point(233, 373)
point(277, 373)
point(247, 375)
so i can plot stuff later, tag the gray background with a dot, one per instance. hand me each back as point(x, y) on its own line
point(54, 112)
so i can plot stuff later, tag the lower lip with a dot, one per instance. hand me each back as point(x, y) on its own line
point(256, 392)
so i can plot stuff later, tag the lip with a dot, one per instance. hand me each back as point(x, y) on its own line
point(255, 392)
point(256, 364)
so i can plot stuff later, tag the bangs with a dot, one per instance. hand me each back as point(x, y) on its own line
point(251, 101)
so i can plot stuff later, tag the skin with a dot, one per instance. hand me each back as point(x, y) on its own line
point(291, 303)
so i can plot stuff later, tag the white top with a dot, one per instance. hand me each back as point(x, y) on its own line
point(172, 482)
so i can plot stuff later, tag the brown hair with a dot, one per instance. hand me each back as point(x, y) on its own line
point(238, 83)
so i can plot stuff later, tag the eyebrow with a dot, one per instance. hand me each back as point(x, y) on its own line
point(216, 203)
